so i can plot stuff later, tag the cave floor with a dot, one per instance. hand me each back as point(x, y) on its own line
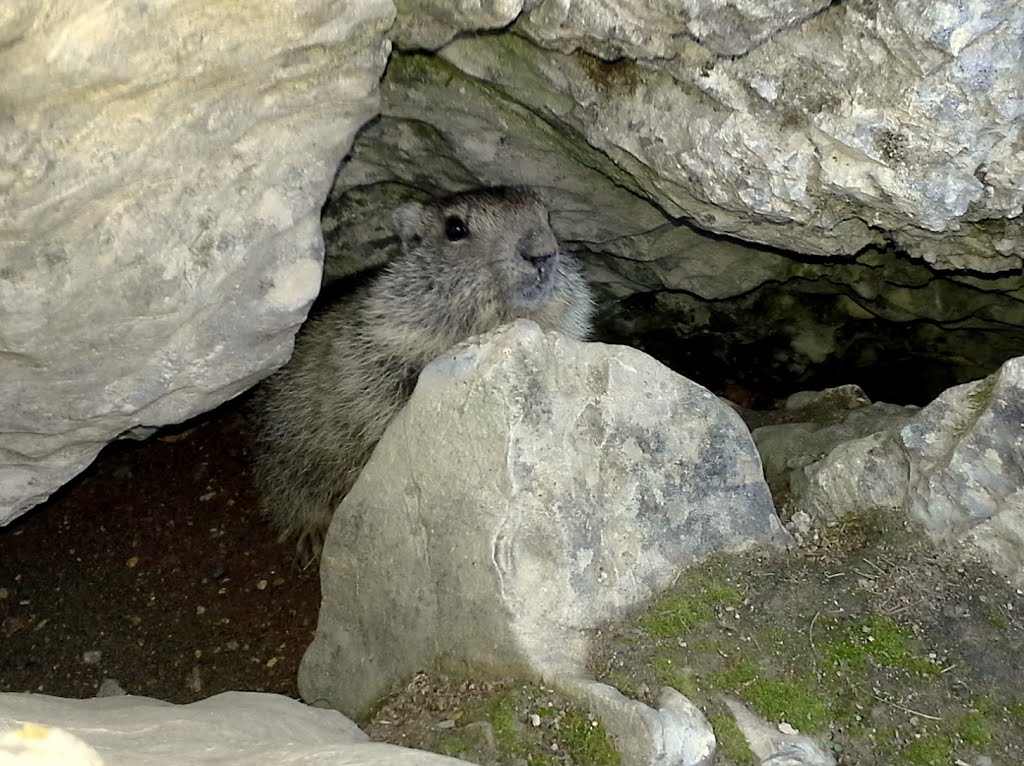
point(153, 569)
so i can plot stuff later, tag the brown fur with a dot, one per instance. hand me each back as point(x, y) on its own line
point(355, 365)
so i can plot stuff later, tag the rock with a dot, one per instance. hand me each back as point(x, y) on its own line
point(957, 467)
point(429, 24)
point(776, 746)
point(230, 728)
point(676, 734)
point(846, 397)
point(159, 209)
point(810, 126)
point(787, 448)
point(835, 118)
point(532, 488)
point(35, 745)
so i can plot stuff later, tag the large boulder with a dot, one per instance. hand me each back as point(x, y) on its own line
point(802, 124)
point(230, 729)
point(165, 166)
point(533, 487)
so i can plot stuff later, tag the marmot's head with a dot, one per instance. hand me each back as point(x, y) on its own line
point(502, 234)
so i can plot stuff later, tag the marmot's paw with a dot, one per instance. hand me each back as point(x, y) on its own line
point(309, 546)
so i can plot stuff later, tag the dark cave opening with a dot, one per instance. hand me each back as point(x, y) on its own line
point(759, 349)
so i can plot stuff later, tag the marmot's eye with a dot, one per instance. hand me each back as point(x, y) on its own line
point(455, 228)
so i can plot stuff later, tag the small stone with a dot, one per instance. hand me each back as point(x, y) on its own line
point(788, 729)
point(110, 688)
point(92, 657)
point(193, 681)
point(448, 723)
point(534, 719)
point(261, 585)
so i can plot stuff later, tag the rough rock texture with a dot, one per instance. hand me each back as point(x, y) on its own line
point(242, 728)
point(675, 734)
point(533, 487)
point(958, 467)
point(432, 23)
point(815, 126)
point(774, 747)
point(823, 423)
point(165, 165)
point(843, 119)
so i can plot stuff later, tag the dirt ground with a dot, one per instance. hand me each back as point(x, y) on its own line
point(153, 570)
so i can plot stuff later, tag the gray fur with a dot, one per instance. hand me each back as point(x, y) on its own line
point(355, 365)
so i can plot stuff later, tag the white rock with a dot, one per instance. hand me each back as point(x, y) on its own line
point(779, 745)
point(801, 124)
point(36, 745)
point(159, 208)
point(957, 466)
point(841, 119)
point(230, 729)
point(533, 487)
point(429, 24)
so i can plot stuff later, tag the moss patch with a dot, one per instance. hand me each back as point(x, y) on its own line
point(870, 640)
point(732, 745)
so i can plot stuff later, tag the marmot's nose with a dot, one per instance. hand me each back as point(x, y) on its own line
point(538, 247)
point(537, 260)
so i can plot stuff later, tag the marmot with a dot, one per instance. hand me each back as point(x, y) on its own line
point(469, 263)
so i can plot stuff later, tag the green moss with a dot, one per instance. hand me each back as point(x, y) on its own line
point(674, 614)
point(586, 740)
point(542, 759)
point(732, 745)
point(782, 700)
point(1014, 713)
point(973, 728)
point(878, 639)
point(503, 717)
point(721, 593)
point(669, 672)
point(677, 613)
point(461, 742)
point(620, 681)
point(982, 396)
point(928, 750)
point(739, 672)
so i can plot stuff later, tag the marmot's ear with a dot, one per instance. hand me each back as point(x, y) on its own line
point(406, 220)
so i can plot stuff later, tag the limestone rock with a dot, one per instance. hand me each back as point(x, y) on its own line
point(810, 126)
point(532, 488)
point(773, 747)
point(159, 208)
point(787, 448)
point(36, 745)
point(430, 24)
point(957, 466)
point(676, 734)
point(234, 728)
point(840, 119)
